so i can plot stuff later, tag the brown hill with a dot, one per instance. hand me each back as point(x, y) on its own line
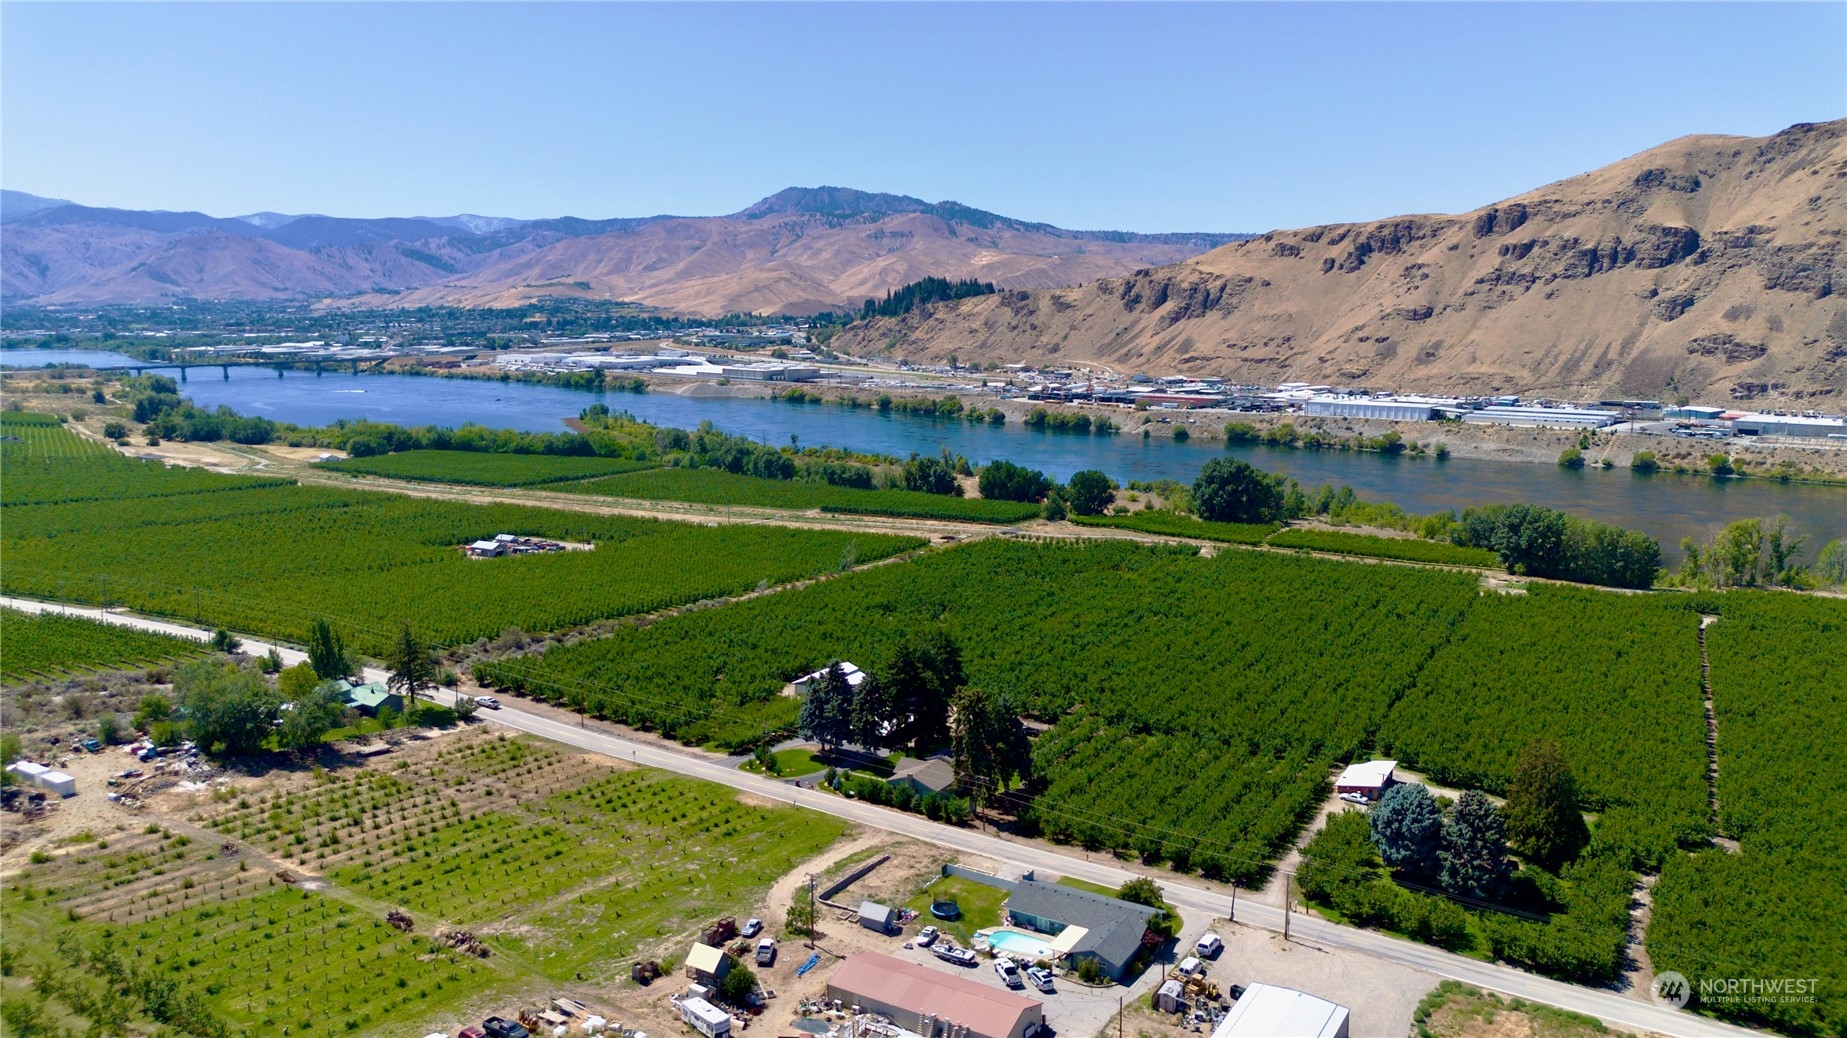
point(797, 252)
point(1707, 266)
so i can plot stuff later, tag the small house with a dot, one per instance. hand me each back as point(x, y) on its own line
point(707, 965)
point(932, 775)
point(1369, 779)
point(487, 549)
point(1107, 930)
point(877, 917)
point(706, 1018)
point(370, 697)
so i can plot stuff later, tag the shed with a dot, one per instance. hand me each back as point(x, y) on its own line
point(874, 916)
point(1268, 1011)
point(487, 549)
point(58, 782)
point(1368, 779)
point(1171, 998)
point(706, 1018)
point(707, 964)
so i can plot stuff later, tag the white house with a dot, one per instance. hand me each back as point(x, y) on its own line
point(1368, 779)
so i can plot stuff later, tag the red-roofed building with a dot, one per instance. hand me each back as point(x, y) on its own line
point(931, 1002)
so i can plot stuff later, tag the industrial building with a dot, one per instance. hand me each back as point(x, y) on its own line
point(932, 1003)
point(1529, 416)
point(1268, 1011)
point(1089, 926)
point(1789, 425)
point(1386, 408)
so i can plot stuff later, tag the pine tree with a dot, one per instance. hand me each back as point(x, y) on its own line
point(1474, 854)
point(1407, 827)
point(1543, 821)
point(827, 713)
point(989, 744)
point(413, 669)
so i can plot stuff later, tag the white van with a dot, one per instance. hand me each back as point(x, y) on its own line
point(1209, 946)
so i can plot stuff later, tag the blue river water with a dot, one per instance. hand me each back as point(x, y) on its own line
point(1668, 507)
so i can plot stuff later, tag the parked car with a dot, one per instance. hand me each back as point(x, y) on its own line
point(1209, 946)
point(927, 935)
point(92, 746)
point(500, 1027)
point(752, 927)
point(1009, 973)
point(471, 1032)
point(766, 952)
point(1354, 798)
point(487, 701)
point(1041, 978)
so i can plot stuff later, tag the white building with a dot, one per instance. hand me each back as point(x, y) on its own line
point(1268, 1011)
point(1540, 417)
point(1386, 408)
point(1369, 779)
point(706, 1018)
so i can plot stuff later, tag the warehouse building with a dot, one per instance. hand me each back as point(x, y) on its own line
point(1789, 425)
point(1540, 417)
point(1268, 1011)
point(1385, 408)
point(1089, 926)
point(932, 1003)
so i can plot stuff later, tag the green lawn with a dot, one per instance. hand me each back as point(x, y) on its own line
point(791, 763)
point(980, 907)
point(1083, 884)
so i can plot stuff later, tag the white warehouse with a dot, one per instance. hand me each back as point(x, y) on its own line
point(1540, 417)
point(1387, 408)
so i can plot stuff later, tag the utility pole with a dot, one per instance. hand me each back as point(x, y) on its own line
point(811, 914)
point(1285, 906)
point(1118, 1016)
point(1233, 917)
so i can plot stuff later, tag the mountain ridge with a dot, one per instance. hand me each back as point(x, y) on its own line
point(1707, 266)
point(801, 250)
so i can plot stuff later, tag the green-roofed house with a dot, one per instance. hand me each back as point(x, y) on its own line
point(371, 697)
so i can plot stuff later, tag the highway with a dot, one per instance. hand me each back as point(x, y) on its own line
point(1617, 1010)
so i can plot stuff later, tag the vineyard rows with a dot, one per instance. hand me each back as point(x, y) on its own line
point(1407, 549)
point(272, 559)
point(47, 644)
point(474, 468)
point(1612, 679)
point(565, 867)
point(717, 487)
point(1773, 908)
point(1173, 524)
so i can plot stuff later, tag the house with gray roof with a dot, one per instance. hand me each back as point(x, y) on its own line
point(1111, 928)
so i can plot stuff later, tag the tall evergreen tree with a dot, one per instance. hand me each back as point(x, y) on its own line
point(1407, 827)
point(923, 675)
point(1474, 854)
point(1543, 820)
point(989, 744)
point(413, 668)
point(827, 713)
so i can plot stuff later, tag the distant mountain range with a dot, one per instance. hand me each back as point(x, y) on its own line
point(799, 251)
point(1709, 266)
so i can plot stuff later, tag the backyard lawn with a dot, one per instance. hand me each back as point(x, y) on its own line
point(981, 907)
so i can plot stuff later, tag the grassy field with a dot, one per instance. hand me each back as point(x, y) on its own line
point(717, 487)
point(49, 645)
point(567, 868)
point(475, 468)
point(792, 763)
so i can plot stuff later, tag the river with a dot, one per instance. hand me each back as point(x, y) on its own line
point(1667, 506)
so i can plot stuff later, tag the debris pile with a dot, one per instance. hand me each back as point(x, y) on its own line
point(462, 941)
point(399, 918)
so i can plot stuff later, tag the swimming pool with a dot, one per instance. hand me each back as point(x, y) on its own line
point(1019, 945)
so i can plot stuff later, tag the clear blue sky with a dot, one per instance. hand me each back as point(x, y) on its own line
point(1145, 117)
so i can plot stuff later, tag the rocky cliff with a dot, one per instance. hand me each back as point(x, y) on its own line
point(1707, 267)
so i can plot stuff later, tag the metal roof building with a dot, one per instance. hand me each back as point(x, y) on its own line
point(874, 916)
point(931, 1002)
point(1267, 1011)
point(1393, 409)
point(1369, 778)
point(1111, 929)
point(1789, 425)
point(1540, 417)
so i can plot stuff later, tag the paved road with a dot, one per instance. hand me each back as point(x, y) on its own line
point(1615, 1009)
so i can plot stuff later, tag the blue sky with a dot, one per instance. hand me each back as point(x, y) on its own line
point(1148, 117)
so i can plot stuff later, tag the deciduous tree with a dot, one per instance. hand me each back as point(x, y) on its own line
point(327, 652)
point(1089, 492)
point(228, 710)
point(1231, 491)
point(1543, 820)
